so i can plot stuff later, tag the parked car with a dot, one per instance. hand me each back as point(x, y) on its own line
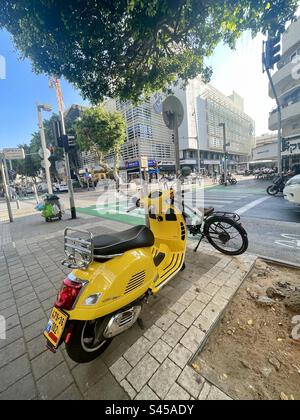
point(292, 190)
point(42, 187)
point(60, 187)
point(28, 191)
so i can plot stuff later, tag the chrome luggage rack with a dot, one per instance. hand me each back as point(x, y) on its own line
point(78, 249)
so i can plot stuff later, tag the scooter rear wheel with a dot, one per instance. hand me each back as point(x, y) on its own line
point(82, 346)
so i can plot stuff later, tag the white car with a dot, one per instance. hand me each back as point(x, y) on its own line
point(60, 187)
point(292, 190)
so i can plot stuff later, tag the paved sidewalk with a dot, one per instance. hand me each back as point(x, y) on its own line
point(152, 363)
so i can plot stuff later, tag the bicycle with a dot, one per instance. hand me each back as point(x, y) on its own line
point(223, 230)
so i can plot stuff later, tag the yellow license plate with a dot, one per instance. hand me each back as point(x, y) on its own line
point(55, 327)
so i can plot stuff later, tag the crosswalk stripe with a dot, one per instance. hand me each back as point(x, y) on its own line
point(249, 206)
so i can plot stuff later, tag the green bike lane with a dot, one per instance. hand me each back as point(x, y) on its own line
point(222, 198)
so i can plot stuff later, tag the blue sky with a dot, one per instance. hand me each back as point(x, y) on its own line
point(19, 92)
point(238, 70)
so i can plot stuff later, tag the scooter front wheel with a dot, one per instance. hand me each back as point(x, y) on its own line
point(84, 346)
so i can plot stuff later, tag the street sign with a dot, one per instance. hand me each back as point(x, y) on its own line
point(144, 162)
point(41, 153)
point(48, 164)
point(14, 154)
point(172, 107)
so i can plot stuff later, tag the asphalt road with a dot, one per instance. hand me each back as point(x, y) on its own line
point(272, 223)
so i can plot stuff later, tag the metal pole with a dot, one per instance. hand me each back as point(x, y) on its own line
point(176, 143)
point(8, 182)
point(225, 152)
point(7, 178)
point(68, 170)
point(279, 157)
point(44, 147)
point(35, 193)
point(198, 141)
point(11, 219)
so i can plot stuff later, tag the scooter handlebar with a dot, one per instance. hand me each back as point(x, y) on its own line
point(130, 209)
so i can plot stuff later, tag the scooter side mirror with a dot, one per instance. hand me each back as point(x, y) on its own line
point(136, 201)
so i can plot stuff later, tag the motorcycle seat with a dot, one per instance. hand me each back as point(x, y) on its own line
point(108, 246)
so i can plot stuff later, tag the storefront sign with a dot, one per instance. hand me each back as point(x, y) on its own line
point(290, 147)
point(151, 163)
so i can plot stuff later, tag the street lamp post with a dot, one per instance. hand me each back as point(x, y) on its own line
point(46, 108)
point(2, 158)
point(225, 144)
point(54, 83)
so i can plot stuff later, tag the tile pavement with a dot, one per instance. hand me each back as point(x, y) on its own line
point(149, 363)
point(164, 371)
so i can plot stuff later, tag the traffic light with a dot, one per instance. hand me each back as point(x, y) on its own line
point(62, 140)
point(56, 125)
point(272, 52)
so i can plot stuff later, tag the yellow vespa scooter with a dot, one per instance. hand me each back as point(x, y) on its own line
point(113, 275)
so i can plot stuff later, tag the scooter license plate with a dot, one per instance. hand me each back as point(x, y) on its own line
point(55, 327)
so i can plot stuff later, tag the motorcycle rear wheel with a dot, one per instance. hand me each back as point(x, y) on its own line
point(272, 190)
point(82, 347)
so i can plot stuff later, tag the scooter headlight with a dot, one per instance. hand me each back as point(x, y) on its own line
point(92, 299)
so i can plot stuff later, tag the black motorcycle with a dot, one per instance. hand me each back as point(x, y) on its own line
point(230, 179)
point(277, 186)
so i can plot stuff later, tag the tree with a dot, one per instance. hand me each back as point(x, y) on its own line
point(101, 132)
point(30, 166)
point(126, 48)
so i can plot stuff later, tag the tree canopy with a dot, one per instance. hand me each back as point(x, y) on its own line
point(127, 48)
point(101, 131)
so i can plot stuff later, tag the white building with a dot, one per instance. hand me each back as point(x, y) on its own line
point(205, 109)
point(146, 136)
point(266, 138)
point(265, 151)
point(286, 80)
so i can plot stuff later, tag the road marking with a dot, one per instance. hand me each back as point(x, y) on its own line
point(293, 242)
point(206, 200)
point(249, 206)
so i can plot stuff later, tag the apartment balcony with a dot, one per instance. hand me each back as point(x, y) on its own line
point(289, 115)
point(285, 79)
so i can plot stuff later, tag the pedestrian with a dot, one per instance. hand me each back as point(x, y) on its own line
point(215, 178)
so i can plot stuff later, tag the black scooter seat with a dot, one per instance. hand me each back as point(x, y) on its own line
point(118, 243)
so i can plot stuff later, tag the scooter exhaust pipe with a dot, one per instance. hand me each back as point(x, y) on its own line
point(122, 321)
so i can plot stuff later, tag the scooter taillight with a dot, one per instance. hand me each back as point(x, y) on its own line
point(68, 294)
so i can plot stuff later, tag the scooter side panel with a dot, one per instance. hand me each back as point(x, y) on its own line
point(121, 281)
